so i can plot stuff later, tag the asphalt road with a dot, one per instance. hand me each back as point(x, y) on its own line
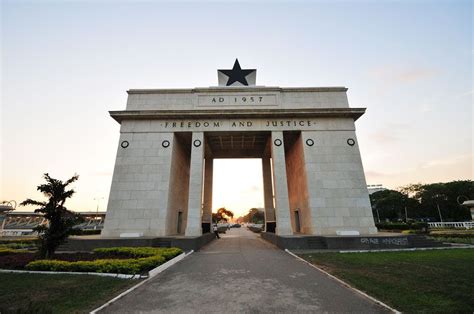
point(241, 273)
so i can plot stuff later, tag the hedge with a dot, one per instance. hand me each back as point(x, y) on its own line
point(85, 232)
point(450, 239)
point(7, 250)
point(453, 235)
point(142, 259)
point(402, 226)
point(136, 252)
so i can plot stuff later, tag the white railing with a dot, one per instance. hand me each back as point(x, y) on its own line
point(462, 224)
point(17, 232)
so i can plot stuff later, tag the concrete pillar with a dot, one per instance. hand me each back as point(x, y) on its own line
point(268, 190)
point(207, 204)
point(193, 224)
point(282, 206)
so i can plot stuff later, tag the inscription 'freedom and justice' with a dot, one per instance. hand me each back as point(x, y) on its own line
point(236, 124)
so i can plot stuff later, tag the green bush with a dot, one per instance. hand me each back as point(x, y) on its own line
point(23, 242)
point(7, 250)
point(451, 239)
point(135, 252)
point(122, 266)
point(85, 232)
point(452, 235)
point(141, 259)
point(402, 225)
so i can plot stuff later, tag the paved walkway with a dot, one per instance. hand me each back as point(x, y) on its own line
point(242, 273)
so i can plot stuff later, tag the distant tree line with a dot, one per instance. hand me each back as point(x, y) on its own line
point(254, 216)
point(424, 202)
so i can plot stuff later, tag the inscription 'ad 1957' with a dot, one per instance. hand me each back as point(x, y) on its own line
point(237, 100)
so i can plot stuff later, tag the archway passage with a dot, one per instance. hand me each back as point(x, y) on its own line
point(224, 148)
point(292, 189)
point(237, 185)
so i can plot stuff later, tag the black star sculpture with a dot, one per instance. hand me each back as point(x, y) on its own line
point(237, 74)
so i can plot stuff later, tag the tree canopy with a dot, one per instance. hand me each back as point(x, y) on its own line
point(222, 214)
point(422, 201)
point(254, 216)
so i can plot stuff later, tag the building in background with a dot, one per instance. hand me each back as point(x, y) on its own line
point(372, 188)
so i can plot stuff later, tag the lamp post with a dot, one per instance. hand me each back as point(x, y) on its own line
point(97, 211)
point(377, 211)
point(439, 212)
point(437, 197)
point(98, 201)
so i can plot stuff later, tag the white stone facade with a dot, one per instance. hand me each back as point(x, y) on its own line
point(162, 182)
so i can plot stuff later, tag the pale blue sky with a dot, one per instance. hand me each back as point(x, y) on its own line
point(66, 63)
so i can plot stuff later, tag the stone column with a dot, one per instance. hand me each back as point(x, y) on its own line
point(207, 207)
point(193, 225)
point(268, 191)
point(282, 206)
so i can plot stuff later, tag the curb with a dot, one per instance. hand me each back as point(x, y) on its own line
point(152, 273)
point(411, 249)
point(115, 275)
point(345, 284)
point(155, 271)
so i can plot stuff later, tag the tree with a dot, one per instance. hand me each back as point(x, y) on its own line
point(254, 216)
point(391, 204)
point(60, 220)
point(445, 197)
point(222, 214)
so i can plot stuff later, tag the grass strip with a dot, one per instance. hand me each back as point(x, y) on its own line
point(439, 281)
point(38, 293)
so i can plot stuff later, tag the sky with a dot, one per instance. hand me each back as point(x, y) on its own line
point(65, 64)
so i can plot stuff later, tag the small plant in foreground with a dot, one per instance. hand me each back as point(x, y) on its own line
point(60, 220)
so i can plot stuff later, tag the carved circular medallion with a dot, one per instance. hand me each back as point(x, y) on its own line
point(350, 141)
point(309, 142)
point(277, 142)
point(165, 143)
point(124, 144)
point(197, 143)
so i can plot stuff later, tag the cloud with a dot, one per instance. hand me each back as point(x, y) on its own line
point(383, 137)
point(415, 74)
point(405, 75)
point(370, 174)
point(103, 173)
point(452, 160)
point(425, 108)
point(467, 93)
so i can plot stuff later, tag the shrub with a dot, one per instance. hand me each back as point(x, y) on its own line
point(453, 235)
point(85, 232)
point(417, 225)
point(19, 244)
point(142, 259)
point(136, 252)
point(122, 266)
point(7, 250)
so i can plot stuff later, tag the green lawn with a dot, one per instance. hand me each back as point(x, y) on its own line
point(38, 293)
point(439, 281)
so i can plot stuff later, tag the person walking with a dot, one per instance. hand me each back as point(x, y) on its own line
point(216, 232)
